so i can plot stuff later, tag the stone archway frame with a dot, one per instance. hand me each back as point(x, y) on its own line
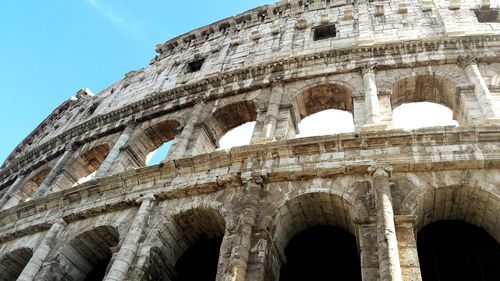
point(301, 93)
point(81, 254)
point(172, 237)
point(465, 196)
point(13, 263)
point(341, 201)
point(228, 117)
point(426, 84)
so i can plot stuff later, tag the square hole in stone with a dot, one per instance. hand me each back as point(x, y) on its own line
point(487, 15)
point(324, 32)
point(195, 65)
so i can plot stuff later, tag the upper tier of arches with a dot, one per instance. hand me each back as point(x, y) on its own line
point(276, 112)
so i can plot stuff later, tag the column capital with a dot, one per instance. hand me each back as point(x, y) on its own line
point(256, 179)
point(60, 221)
point(464, 61)
point(72, 146)
point(139, 198)
point(132, 124)
point(145, 197)
point(201, 99)
point(368, 68)
point(277, 81)
point(22, 173)
point(380, 170)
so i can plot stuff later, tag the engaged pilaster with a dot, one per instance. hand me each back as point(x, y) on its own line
point(389, 266)
point(128, 249)
point(367, 240)
point(483, 94)
point(115, 151)
point(278, 88)
point(42, 251)
point(372, 104)
point(182, 142)
point(407, 245)
point(235, 268)
point(44, 188)
point(12, 189)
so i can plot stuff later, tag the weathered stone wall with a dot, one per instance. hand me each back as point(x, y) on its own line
point(380, 183)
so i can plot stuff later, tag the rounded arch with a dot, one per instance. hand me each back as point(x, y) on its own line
point(307, 209)
point(473, 204)
point(13, 263)
point(315, 103)
point(319, 212)
point(152, 135)
point(189, 228)
point(231, 116)
point(320, 97)
point(86, 256)
point(459, 251)
point(83, 166)
point(28, 187)
point(426, 88)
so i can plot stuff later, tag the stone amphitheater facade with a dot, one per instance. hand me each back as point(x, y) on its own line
point(274, 65)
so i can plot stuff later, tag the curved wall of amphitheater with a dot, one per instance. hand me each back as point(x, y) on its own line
point(274, 65)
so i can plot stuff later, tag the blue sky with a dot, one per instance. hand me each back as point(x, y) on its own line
point(50, 49)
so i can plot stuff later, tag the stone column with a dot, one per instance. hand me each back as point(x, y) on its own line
point(235, 268)
point(182, 142)
point(407, 245)
point(483, 94)
point(12, 189)
point(273, 109)
point(372, 105)
point(44, 188)
point(115, 151)
point(388, 254)
point(42, 251)
point(126, 254)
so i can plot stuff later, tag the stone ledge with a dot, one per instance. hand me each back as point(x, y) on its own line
point(438, 149)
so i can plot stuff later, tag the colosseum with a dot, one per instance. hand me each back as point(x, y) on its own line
point(377, 203)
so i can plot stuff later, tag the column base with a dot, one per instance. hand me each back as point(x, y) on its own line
point(374, 127)
point(262, 140)
point(492, 121)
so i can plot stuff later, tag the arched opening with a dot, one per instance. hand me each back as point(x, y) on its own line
point(231, 125)
point(202, 255)
point(325, 109)
point(159, 154)
point(27, 189)
point(326, 122)
point(83, 167)
point(194, 255)
point(86, 257)
point(422, 114)
point(241, 135)
point(457, 251)
point(13, 263)
point(159, 140)
point(321, 253)
point(153, 144)
point(312, 233)
point(415, 99)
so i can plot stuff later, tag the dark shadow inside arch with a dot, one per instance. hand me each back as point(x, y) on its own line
point(199, 262)
point(99, 270)
point(322, 253)
point(86, 257)
point(457, 251)
point(13, 263)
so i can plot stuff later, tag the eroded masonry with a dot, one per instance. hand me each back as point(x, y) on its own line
point(380, 203)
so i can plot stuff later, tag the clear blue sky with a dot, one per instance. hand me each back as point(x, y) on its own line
point(50, 49)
